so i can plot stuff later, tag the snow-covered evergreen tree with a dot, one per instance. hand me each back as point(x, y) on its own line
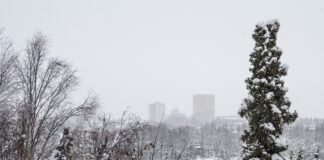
point(316, 154)
point(314, 151)
point(291, 155)
point(300, 155)
point(266, 108)
point(64, 150)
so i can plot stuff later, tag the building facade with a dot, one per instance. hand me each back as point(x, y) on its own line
point(156, 112)
point(203, 108)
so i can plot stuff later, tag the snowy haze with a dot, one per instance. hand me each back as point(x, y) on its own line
point(133, 53)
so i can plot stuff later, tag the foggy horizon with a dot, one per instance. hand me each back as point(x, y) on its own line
point(134, 53)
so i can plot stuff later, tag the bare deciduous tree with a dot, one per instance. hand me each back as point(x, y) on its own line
point(45, 84)
point(7, 96)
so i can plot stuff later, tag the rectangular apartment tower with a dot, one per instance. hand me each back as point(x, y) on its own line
point(203, 107)
point(156, 112)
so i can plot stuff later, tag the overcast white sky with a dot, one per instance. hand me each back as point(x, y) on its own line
point(135, 52)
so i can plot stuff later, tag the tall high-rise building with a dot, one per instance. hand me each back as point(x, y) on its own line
point(203, 107)
point(156, 112)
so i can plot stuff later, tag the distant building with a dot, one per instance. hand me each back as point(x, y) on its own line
point(156, 112)
point(177, 118)
point(203, 108)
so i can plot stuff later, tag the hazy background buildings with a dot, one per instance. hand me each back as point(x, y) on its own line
point(203, 110)
point(156, 112)
point(203, 107)
point(132, 53)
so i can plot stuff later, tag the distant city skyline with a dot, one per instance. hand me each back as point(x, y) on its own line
point(132, 53)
